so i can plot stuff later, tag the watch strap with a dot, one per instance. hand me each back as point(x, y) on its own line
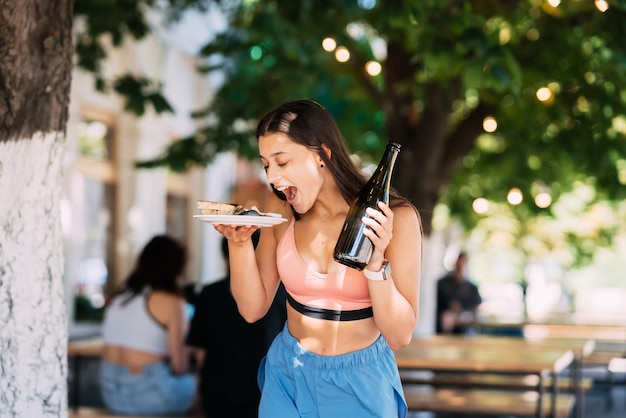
point(383, 274)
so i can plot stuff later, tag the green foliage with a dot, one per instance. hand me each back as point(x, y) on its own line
point(446, 64)
point(177, 156)
point(292, 65)
point(111, 21)
point(138, 91)
point(569, 138)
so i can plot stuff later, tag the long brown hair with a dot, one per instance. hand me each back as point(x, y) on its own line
point(158, 266)
point(308, 123)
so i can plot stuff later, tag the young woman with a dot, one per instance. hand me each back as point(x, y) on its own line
point(334, 357)
point(143, 371)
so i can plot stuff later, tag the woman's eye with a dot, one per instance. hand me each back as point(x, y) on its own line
point(281, 164)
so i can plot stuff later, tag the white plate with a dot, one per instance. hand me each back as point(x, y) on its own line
point(269, 219)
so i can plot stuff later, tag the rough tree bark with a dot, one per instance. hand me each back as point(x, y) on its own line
point(35, 72)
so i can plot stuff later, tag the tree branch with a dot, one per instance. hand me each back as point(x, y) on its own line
point(460, 142)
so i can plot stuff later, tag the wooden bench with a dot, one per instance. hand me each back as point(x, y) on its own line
point(84, 412)
point(617, 365)
point(597, 366)
point(601, 358)
point(484, 401)
point(488, 380)
point(91, 413)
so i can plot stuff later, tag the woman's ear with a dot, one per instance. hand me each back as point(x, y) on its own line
point(326, 151)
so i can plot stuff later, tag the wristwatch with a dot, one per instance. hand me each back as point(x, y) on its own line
point(383, 274)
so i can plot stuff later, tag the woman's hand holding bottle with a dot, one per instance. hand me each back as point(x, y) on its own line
point(380, 231)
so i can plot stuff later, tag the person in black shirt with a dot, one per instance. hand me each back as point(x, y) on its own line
point(457, 300)
point(229, 349)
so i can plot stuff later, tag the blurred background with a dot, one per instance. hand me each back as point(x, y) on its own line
point(511, 117)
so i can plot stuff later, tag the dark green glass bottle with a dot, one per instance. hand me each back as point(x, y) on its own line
point(353, 248)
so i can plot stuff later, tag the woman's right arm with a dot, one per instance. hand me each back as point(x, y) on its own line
point(253, 274)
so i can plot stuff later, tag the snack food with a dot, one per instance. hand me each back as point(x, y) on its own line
point(208, 207)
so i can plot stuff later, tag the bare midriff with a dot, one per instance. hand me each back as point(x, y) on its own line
point(331, 338)
point(133, 360)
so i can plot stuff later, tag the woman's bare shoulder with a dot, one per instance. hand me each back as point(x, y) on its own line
point(407, 229)
point(405, 211)
point(166, 307)
point(162, 297)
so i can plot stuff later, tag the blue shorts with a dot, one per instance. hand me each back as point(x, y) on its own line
point(297, 383)
point(156, 391)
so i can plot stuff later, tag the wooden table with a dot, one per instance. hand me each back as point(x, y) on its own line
point(557, 327)
point(438, 354)
point(92, 347)
point(581, 348)
point(576, 331)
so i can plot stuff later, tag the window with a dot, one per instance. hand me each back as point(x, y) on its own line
point(90, 201)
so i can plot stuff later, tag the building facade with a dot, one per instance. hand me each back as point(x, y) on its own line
point(110, 209)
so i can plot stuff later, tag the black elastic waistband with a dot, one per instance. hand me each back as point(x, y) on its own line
point(330, 314)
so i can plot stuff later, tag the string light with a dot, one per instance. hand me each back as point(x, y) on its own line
point(515, 196)
point(373, 68)
point(544, 94)
point(329, 44)
point(342, 54)
point(543, 200)
point(480, 205)
point(490, 124)
point(601, 5)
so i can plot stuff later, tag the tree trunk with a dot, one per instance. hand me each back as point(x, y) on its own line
point(35, 71)
point(431, 152)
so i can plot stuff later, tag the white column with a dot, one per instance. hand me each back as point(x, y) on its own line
point(220, 177)
point(432, 269)
point(146, 217)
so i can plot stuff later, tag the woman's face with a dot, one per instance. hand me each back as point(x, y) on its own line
point(292, 169)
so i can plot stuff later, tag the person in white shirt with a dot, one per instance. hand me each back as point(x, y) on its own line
point(144, 370)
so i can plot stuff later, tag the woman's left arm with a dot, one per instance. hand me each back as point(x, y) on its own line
point(397, 237)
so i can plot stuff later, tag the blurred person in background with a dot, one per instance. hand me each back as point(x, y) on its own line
point(457, 300)
point(145, 360)
point(228, 349)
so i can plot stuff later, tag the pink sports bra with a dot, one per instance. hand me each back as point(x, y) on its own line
point(344, 290)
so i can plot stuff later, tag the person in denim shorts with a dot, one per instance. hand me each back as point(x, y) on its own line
point(334, 356)
point(144, 364)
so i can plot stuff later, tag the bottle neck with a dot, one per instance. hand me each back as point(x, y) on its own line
point(382, 175)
